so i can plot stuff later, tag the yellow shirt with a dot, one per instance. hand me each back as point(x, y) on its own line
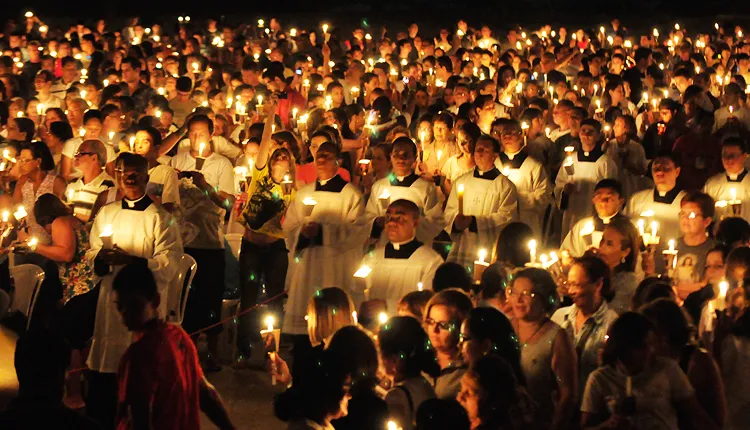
point(266, 204)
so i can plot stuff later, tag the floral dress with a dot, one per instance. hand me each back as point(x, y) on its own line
point(77, 277)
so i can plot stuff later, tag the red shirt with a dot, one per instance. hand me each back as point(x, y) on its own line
point(293, 99)
point(162, 368)
point(306, 174)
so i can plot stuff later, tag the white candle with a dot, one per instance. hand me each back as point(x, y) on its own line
point(385, 199)
point(480, 265)
point(383, 317)
point(132, 144)
point(628, 386)
point(202, 146)
point(107, 236)
point(6, 216)
point(363, 272)
point(20, 213)
point(420, 286)
point(733, 193)
point(532, 251)
point(460, 193)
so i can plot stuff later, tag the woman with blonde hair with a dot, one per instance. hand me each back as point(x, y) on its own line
point(443, 316)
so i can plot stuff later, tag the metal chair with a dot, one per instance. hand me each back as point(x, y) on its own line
point(180, 288)
point(27, 279)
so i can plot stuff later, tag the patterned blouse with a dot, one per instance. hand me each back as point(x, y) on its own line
point(77, 276)
point(266, 205)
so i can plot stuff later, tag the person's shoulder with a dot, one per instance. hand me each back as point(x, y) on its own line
point(222, 161)
point(642, 194)
point(560, 317)
point(426, 253)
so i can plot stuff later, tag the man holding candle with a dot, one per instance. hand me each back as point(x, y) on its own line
point(480, 205)
point(401, 263)
point(403, 183)
point(527, 174)
point(577, 178)
point(206, 202)
point(321, 227)
point(734, 177)
point(142, 234)
point(662, 202)
point(82, 194)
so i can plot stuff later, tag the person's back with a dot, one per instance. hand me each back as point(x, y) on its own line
point(162, 366)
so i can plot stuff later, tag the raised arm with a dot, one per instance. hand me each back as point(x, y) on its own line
point(265, 142)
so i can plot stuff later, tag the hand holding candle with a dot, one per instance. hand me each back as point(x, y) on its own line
point(480, 265)
point(271, 341)
point(460, 194)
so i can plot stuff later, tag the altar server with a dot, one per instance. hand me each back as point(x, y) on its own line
point(731, 189)
point(480, 204)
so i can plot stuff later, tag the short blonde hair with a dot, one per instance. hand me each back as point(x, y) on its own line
point(328, 310)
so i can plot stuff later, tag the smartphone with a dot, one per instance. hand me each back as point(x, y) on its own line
point(299, 71)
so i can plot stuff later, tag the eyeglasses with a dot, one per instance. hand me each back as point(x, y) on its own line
point(519, 295)
point(22, 161)
point(689, 215)
point(81, 154)
point(442, 325)
point(462, 338)
point(576, 285)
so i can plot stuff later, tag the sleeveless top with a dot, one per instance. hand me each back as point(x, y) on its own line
point(29, 198)
point(77, 276)
point(536, 361)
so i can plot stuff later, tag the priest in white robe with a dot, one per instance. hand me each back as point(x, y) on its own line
point(587, 233)
point(734, 183)
point(661, 203)
point(403, 183)
point(481, 203)
point(527, 174)
point(579, 174)
point(134, 230)
point(324, 238)
point(401, 264)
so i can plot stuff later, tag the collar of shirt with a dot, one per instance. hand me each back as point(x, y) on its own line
point(404, 181)
point(398, 245)
point(137, 205)
point(491, 174)
point(738, 177)
point(596, 318)
point(590, 156)
point(514, 161)
point(666, 196)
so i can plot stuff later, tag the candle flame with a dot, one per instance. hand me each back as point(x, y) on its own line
point(363, 272)
point(383, 317)
point(269, 321)
point(482, 254)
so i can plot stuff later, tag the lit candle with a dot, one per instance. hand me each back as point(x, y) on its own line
point(460, 193)
point(654, 236)
point(532, 251)
point(20, 213)
point(363, 272)
point(721, 298)
point(132, 144)
point(6, 216)
point(107, 237)
point(733, 193)
point(480, 265)
point(383, 318)
point(420, 286)
point(309, 204)
point(201, 147)
point(70, 194)
point(385, 199)
point(670, 255)
point(32, 243)
point(40, 109)
point(269, 331)
point(628, 386)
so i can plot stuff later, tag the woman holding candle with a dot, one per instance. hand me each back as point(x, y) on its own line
point(619, 250)
point(35, 163)
point(636, 385)
point(457, 165)
point(380, 166)
point(59, 133)
point(443, 317)
point(442, 146)
point(548, 358)
point(163, 184)
point(673, 340)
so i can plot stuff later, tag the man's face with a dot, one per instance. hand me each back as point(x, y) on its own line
point(692, 221)
point(325, 163)
point(75, 115)
point(665, 115)
point(133, 309)
point(733, 159)
point(199, 133)
point(574, 120)
point(484, 155)
point(131, 181)
point(681, 83)
point(589, 136)
point(490, 90)
point(85, 157)
point(402, 159)
point(41, 84)
point(129, 74)
point(93, 128)
point(70, 72)
point(560, 115)
point(461, 95)
point(143, 143)
point(607, 202)
point(665, 173)
point(487, 113)
point(400, 225)
point(511, 138)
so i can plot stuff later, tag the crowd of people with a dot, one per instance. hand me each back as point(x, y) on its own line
point(535, 229)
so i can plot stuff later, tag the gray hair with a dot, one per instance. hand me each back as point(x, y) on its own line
point(98, 148)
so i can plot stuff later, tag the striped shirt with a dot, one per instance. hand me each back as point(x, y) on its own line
point(82, 196)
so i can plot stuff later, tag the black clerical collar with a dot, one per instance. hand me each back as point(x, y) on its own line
point(517, 160)
point(600, 223)
point(490, 175)
point(404, 251)
point(668, 198)
point(739, 178)
point(137, 205)
point(333, 185)
point(590, 156)
point(406, 182)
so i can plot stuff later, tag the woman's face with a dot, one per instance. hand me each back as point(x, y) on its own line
point(469, 397)
point(581, 290)
point(610, 248)
point(424, 131)
point(441, 328)
point(380, 163)
point(715, 269)
point(619, 127)
point(441, 131)
point(527, 304)
point(471, 349)
point(280, 165)
point(27, 163)
point(251, 151)
point(93, 129)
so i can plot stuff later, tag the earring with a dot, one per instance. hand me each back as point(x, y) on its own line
point(622, 260)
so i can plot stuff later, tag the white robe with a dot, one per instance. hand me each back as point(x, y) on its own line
point(493, 202)
point(635, 156)
point(666, 214)
point(423, 193)
point(149, 233)
point(579, 240)
point(392, 278)
point(330, 265)
point(586, 174)
point(719, 188)
point(534, 191)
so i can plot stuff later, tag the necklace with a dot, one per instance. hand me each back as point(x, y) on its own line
point(525, 343)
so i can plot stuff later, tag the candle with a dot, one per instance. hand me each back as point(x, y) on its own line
point(270, 331)
point(40, 109)
point(107, 237)
point(286, 184)
point(480, 265)
point(547, 132)
point(720, 303)
point(32, 242)
point(325, 28)
point(111, 135)
point(391, 425)
point(420, 286)
point(294, 113)
point(654, 236)
point(70, 194)
point(385, 199)
point(460, 193)
point(309, 204)
point(6, 216)
point(132, 144)
point(158, 113)
point(422, 136)
point(20, 213)
point(670, 255)
point(628, 386)
point(201, 147)
point(733, 193)
point(363, 272)
point(588, 228)
point(532, 251)
point(383, 318)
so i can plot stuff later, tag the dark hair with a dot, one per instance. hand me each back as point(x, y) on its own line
point(48, 207)
point(493, 142)
point(491, 324)
point(136, 278)
point(596, 269)
point(355, 352)
point(703, 200)
point(498, 390)
point(630, 239)
point(153, 134)
point(204, 119)
point(611, 184)
point(133, 62)
point(473, 132)
point(451, 275)
point(407, 205)
point(129, 159)
point(671, 320)
point(288, 137)
point(416, 302)
point(651, 289)
point(511, 244)
point(404, 338)
point(61, 130)
point(442, 414)
point(543, 285)
point(627, 333)
point(26, 126)
point(39, 150)
point(41, 359)
point(731, 231)
point(735, 141)
point(184, 84)
point(404, 141)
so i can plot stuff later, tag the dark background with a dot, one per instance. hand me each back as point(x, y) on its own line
point(636, 14)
